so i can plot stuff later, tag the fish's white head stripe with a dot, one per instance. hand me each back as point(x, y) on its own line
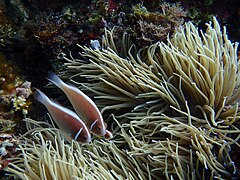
point(78, 133)
point(93, 124)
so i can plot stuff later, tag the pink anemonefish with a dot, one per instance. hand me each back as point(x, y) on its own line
point(67, 120)
point(84, 107)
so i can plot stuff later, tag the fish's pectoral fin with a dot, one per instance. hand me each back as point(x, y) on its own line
point(78, 133)
point(67, 136)
point(93, 124)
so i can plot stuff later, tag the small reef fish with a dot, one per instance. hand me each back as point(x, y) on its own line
point(83, 105)
point(67, 120)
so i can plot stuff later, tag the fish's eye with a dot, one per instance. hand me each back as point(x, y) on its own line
point(99, 128)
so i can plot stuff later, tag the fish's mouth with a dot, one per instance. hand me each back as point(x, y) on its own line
point(100, 134)
point(104, 131)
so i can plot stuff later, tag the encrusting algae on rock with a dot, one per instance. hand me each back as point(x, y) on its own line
point(14, 105)
point(175, 112)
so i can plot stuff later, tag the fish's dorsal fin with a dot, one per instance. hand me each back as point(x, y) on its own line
point(64, 109)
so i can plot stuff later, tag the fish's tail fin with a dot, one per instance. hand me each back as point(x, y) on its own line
point(55, 79)
point(41, 97)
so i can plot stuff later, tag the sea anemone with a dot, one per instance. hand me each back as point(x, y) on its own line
point(173, 109)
